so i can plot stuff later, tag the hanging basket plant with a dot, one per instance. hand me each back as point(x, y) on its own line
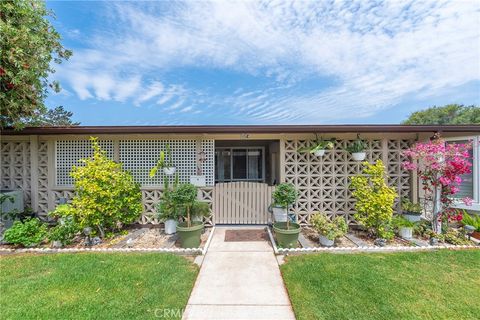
point(165, 162)
point(319, 147)
point(357, 149)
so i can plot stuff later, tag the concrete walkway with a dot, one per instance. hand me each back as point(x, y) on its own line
point(239, 280)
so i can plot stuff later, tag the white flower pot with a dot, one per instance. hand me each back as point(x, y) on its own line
point(359, 156)
point(171, 226)
point(319, 153)
point(412, 217)
point(279, 214)
point(198, 181)
point(405, 232)
point(325, 242)
point(169, 170)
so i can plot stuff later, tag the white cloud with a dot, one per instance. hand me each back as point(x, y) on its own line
point(378, 53)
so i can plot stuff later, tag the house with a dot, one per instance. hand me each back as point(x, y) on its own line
point(238, 165)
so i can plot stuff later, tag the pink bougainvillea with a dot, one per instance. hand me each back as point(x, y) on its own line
point(440, 166)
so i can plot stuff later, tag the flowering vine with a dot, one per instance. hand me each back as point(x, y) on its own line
point(440, 166)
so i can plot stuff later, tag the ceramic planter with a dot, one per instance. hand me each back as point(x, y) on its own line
point(319, 153)
point(358, 156)
point(405, 232)
point(279, 214)
point(412, 216)
point(325, 242)
point(190, 236)
point(169, 170)
point(171, 226)
point(286, 238)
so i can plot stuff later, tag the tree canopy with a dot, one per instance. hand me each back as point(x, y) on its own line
point(449, 114)
point(29, 46)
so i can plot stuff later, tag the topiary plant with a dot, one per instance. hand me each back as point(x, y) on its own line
point(375, 199)
point(28, 233)
point(185, 196)
point(106, 195)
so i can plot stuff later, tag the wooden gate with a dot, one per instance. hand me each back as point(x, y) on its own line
point(241, 202)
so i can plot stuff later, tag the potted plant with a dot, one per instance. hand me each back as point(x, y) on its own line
point(472, 224)
point(404, 227)
point(411, 211)
point(166, 208)
point(185, 197)
point(357, 149)
point(319, 147)
point(286, 232)
point(280, 204)
point(165, 162)
point(328, 230)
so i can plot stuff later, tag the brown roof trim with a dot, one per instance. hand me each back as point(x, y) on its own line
point(241, 129)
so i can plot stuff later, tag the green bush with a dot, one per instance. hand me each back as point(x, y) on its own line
point(375, 199)
point(331, 229)
point(402, 222)
point(64, 231)
point(28, 233)
point(107, 197)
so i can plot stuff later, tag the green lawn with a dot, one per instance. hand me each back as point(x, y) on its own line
point(94, 286)
point(422, 285)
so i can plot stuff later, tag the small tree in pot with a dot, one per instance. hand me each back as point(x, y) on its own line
point(283, 196)
point(286, 232)
point(167, 209)
point(185, 196)
point(328, 230)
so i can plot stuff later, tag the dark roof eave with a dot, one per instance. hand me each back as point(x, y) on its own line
point(225, 129)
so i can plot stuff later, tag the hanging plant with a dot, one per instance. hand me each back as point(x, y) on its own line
point(165, 162)
point(357, 149)
point(319, 147)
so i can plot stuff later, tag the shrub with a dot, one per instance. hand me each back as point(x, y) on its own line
point(64, 231)
point(106, 195)
point(331, 229)
point(284, 195)
point(166, 208)
point(28, 233)
point(375, 199)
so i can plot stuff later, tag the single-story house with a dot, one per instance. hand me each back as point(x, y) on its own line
point(240, 164)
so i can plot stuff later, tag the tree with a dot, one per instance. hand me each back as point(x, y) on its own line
point(53, 117)
point(29, 46)
point(449, 114)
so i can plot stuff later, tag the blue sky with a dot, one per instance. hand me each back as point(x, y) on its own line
point(266, 62)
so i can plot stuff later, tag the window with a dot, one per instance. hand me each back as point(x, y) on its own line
point(470, 182)
point(239, 164)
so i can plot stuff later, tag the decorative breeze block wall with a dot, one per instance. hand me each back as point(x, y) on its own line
point(15, 167)
point(323, 182)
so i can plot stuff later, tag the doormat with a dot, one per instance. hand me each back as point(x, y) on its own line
point(245, 235)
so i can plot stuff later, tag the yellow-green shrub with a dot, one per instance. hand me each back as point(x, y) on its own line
point(106, 195)
point(375, 199)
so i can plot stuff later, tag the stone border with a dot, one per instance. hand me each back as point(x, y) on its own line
point(179, 251)
point(282, 251)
